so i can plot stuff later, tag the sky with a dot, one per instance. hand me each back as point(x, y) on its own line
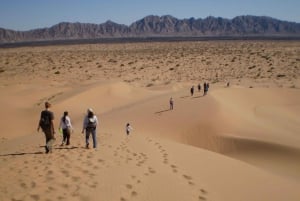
point(25, 15)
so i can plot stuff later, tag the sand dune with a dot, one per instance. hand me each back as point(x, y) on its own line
point(236, 143)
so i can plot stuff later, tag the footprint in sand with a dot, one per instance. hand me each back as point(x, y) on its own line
point(35, 197)
point(134, 193)
point(33, 184)
point(189, 179)
point(76, 179)
point(66, 173)
point(151, 170)
point(174, 168)
point(135, 179)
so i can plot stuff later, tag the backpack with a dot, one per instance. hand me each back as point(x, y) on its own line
point(91, 123)
point(45, 120)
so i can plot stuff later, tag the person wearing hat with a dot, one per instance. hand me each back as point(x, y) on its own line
point(47, 125)
point(90, 124)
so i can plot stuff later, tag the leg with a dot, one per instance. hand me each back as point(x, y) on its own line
point(64, 137)
point(50, 144)
point(94, 138)
point(87, 136)
point(49, 140)
point(68, 136)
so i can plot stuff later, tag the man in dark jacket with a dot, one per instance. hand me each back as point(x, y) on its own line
point(47, 125)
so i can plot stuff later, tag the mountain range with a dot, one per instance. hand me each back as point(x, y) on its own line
point(159, 26)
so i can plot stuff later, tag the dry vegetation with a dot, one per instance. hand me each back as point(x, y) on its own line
point(269, 63)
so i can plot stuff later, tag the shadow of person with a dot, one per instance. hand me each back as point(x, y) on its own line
point(22, 153)
point(162, 111)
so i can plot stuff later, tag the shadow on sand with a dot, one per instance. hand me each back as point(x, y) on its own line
point(61, 147)
point(159, 112)
point(200, 96)
point(22, 153)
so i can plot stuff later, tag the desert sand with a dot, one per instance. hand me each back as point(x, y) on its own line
point(240, 142)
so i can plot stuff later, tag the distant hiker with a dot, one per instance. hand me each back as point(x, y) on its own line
point(47, 125)
point(205, 88)
point(90, 124)
point(192, 91)
point(128, 128)
point(228, 84)
point(199, 87)
point(66, 126)
point(171, 103)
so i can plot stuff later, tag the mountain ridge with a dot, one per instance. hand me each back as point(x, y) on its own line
point(158, 26)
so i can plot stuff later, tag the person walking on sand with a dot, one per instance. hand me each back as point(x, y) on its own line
point(90, 124)
point(171, 103)
point(205, 88)
point(66, 127)
point(47, 125)
point(192, 90)
point(199, 87)
point(128, 128)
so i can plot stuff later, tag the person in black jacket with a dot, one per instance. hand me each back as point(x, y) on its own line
point(47, 124)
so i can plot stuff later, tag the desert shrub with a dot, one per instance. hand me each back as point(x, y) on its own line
point(280, 75)
point(149, 85)
point(57, 72)
point(112, 61)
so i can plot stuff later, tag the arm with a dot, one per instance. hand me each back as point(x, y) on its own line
point(52, 126)
point(38, 127)
point(60, 124)
point(70, 124)
point(52, 122)
point(97, 122)
point(84, 124)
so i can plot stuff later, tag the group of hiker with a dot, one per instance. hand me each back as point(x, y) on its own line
point(46, 123)
point(90, 123)
point(205, 90)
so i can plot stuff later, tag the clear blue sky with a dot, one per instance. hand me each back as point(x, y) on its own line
point(31, 14)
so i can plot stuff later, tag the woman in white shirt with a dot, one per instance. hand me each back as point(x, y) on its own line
point(66, 127)
point(90, 124)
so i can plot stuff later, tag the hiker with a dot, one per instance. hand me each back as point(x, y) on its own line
point(66, 127)
point(128, 128)
point(47, 125)
point(90, 124)
point(205, 88)
point(171, 103)
point(199, 87)
point(192, 91)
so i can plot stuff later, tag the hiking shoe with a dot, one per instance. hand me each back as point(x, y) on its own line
point(46, 150)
